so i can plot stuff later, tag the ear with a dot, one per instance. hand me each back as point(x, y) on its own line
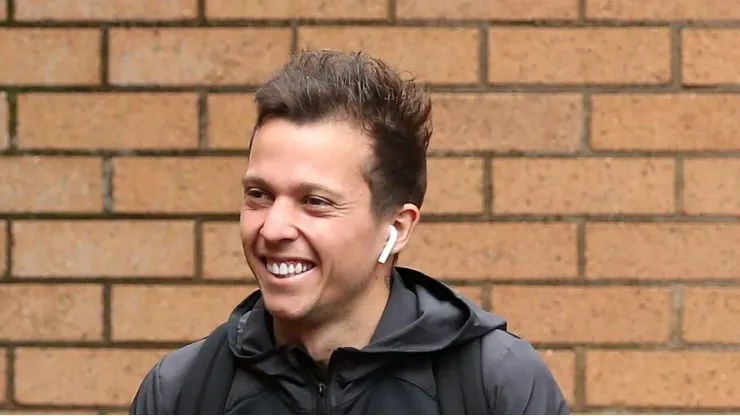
point(405, 221)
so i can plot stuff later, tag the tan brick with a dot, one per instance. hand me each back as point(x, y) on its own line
point(3, 247)
point(712, 186)
point(51, 184)
point(49, 56)
point(178, 184)
point(663, 378)
point(172, 313)
point(223, 256)
point(455, 185)
point(488, 9)
point(297, 9)
point(231, 119)
point(4, 121)
point(51, 312)
point(586, 185)
point(662, 251)
point(503, 122)
point(92, 376)
point(108, 121)
point(96, 248)
point(189, 56)
point(3, 374)
point(710, 314)
point(662, 10)
point(105, 10)
point(3, 10)
point(432, 55)
point(665, 122)
point(579, 55)
point(491, 251)
point(562, 365)
point(586, 314)
point(710, 56)
point(32, 411)
point(474, 293)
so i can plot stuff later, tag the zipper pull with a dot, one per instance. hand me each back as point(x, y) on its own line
point(322, 389)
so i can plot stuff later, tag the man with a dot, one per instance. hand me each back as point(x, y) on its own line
point(332, 192)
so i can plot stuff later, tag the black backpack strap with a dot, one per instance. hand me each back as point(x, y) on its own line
point(458, 373)
point(208, 383)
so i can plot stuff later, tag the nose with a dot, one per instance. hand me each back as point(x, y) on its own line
point(279, 223)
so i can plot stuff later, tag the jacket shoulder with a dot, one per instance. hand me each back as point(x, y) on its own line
point(158, 392)
point(516, 379)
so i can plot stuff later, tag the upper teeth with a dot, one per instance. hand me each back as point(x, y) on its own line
point(287, 268)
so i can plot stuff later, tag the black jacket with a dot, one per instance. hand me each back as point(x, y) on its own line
point(392, 375)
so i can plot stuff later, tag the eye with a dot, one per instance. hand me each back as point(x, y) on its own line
point(256, 195)
point(316, 201)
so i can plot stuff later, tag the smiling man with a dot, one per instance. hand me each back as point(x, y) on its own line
point(332, 193)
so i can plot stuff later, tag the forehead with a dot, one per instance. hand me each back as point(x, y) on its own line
point(332, 152)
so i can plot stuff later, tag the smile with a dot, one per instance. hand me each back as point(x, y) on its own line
point(287, 268)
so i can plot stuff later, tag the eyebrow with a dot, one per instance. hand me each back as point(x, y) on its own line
point(303, 187)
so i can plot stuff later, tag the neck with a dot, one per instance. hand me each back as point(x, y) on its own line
point(353, 326)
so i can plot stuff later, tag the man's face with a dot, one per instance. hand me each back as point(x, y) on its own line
point(307, 228)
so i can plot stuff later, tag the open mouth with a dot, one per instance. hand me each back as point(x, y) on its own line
point(287, 268)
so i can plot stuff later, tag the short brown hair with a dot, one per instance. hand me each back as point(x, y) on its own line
point(396, 113)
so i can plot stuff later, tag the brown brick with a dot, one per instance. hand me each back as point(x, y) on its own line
point(92, 376)
point(662, 251)
point(196, 55)
point(710, 314)
point(178, 184)
point(503, 122)
point(103, 248)
point(231, 119)
point(665, 122)
point(662, 10)
point(712, 186)
point(3, 247)
point(490, 251)
point(3, 374)
point(165, 313)
point(4, 121)
point(562, 365)
point(297, 9)
point(488, 9)
point(32, 411)
point(432, 55)
point(3, 10)
point(51, 184)
point(663, 378)
point(223, 256)
point(108, 121)
point(105, 10)
point(586, 314)
point(455, 185)
point(711, 56)
point(474, 293)
point(586, 185)
point(51, 312)
point(579, 55)
point(49, 56)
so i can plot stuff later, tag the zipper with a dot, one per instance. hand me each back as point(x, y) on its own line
point(322, 401)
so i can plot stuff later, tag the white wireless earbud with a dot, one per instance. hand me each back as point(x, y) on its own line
point(389, 245)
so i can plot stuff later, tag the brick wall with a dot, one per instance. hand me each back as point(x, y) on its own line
point(583, 182)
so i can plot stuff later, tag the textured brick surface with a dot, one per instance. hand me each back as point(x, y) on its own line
point(223, 256)
point(487, 251)
point(663, 378)
point(662, 9)
point(3, 10)
point(503, 122)
point(710, 56)
point(4, 119)
point(155, 184)
point(562, 364)
point(579, 55)
point(49, 56)
point(51, 184)
point(196, 55)
point(92, 376)
point(712, 186)
point(662, 251)
point(3, 247)
point(587, 185)
point(104, 10)
point(3, 374)
point(710, 314)
point(51, 312)
point(474, 293)
point(103, 248)
point(162, 313)
point(231, 119)
point(455, 185)
point(487, 9)
point(586, 315)
point(434, 55)
point(108, 121)
point(291, 9)
point(665, 122)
